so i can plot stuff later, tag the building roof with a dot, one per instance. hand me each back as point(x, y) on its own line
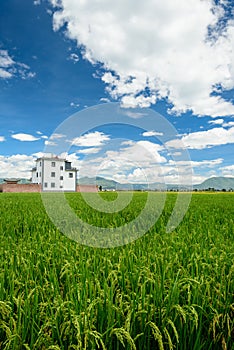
point(51, 158)
point(12, 180)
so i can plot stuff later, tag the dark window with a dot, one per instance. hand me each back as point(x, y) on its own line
point(70, 175)
point(40, 163)
point(53, 164)
point(37, 174)
point(67, 165)
point(61, 186)
point(52, 184)
point(45, 184)
point(61, 168)
point(53, 174)
point(61, 177)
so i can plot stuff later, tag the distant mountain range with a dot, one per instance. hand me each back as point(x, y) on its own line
point(216, 183)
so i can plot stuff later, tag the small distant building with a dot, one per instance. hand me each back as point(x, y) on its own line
point(54, 174)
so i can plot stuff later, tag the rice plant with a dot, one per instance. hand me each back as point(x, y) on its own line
point(162, 291)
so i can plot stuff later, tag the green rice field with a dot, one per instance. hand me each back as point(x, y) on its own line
point(163, 291)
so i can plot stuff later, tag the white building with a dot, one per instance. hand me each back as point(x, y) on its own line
point(54, 174)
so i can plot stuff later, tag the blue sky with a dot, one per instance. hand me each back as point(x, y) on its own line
point(58, 58)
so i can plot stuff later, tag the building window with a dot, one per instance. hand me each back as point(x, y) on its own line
point(61, 168)
point(53, 174)
point(37, 174)
point(40, 164)
point(52, 184)
point(45, 184)
point(40, 174)
point(70, 175)
point(61, 186)
point(53, 164)
point(61, 177)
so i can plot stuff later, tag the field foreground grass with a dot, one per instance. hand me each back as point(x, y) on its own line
point(164, 291)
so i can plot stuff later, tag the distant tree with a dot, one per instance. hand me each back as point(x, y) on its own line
point(100, 188)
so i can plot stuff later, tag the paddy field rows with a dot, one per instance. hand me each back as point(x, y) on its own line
point(163, 291)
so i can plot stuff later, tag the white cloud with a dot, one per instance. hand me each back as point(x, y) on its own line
point(216, 121)
point(10, 68)
point(74, 57)
point(5, 59)
point(91, 150)
point(123, 162)
point(38, 154)
point(74, 104)
point(104, 99)
point(156, 49)
point(2, 138)
point(228, 170)
point(24, 137)
point(57, 136)
point(91, 139)
point(152, 133)
point(5, 63)
point(204, 139)
point(228, 124)
point(5, 74)
point(198, 164)
point(16, 165)
point(136, 163)
point(50, 143)
point(134, 115)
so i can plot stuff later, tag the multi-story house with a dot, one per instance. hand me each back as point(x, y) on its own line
point(54, 174)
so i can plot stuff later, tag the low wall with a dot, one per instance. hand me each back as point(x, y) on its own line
point(86, 188)
point(37, 188)
point(20, 188)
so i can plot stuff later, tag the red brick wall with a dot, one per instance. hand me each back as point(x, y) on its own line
point(37, 188)
point(20, 188)
point(86, 188)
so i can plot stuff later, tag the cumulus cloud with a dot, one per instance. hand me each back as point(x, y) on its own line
point(16, 165)
point(132, 162)
point(125, 168)
point(228, 170)
point(122, 163)
point(228, 124)
point(10, 68)
point(204, 139)
point(216, 121)
point(2, 138)
point(91, 139)
point(152, 50)
point(24, 137)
